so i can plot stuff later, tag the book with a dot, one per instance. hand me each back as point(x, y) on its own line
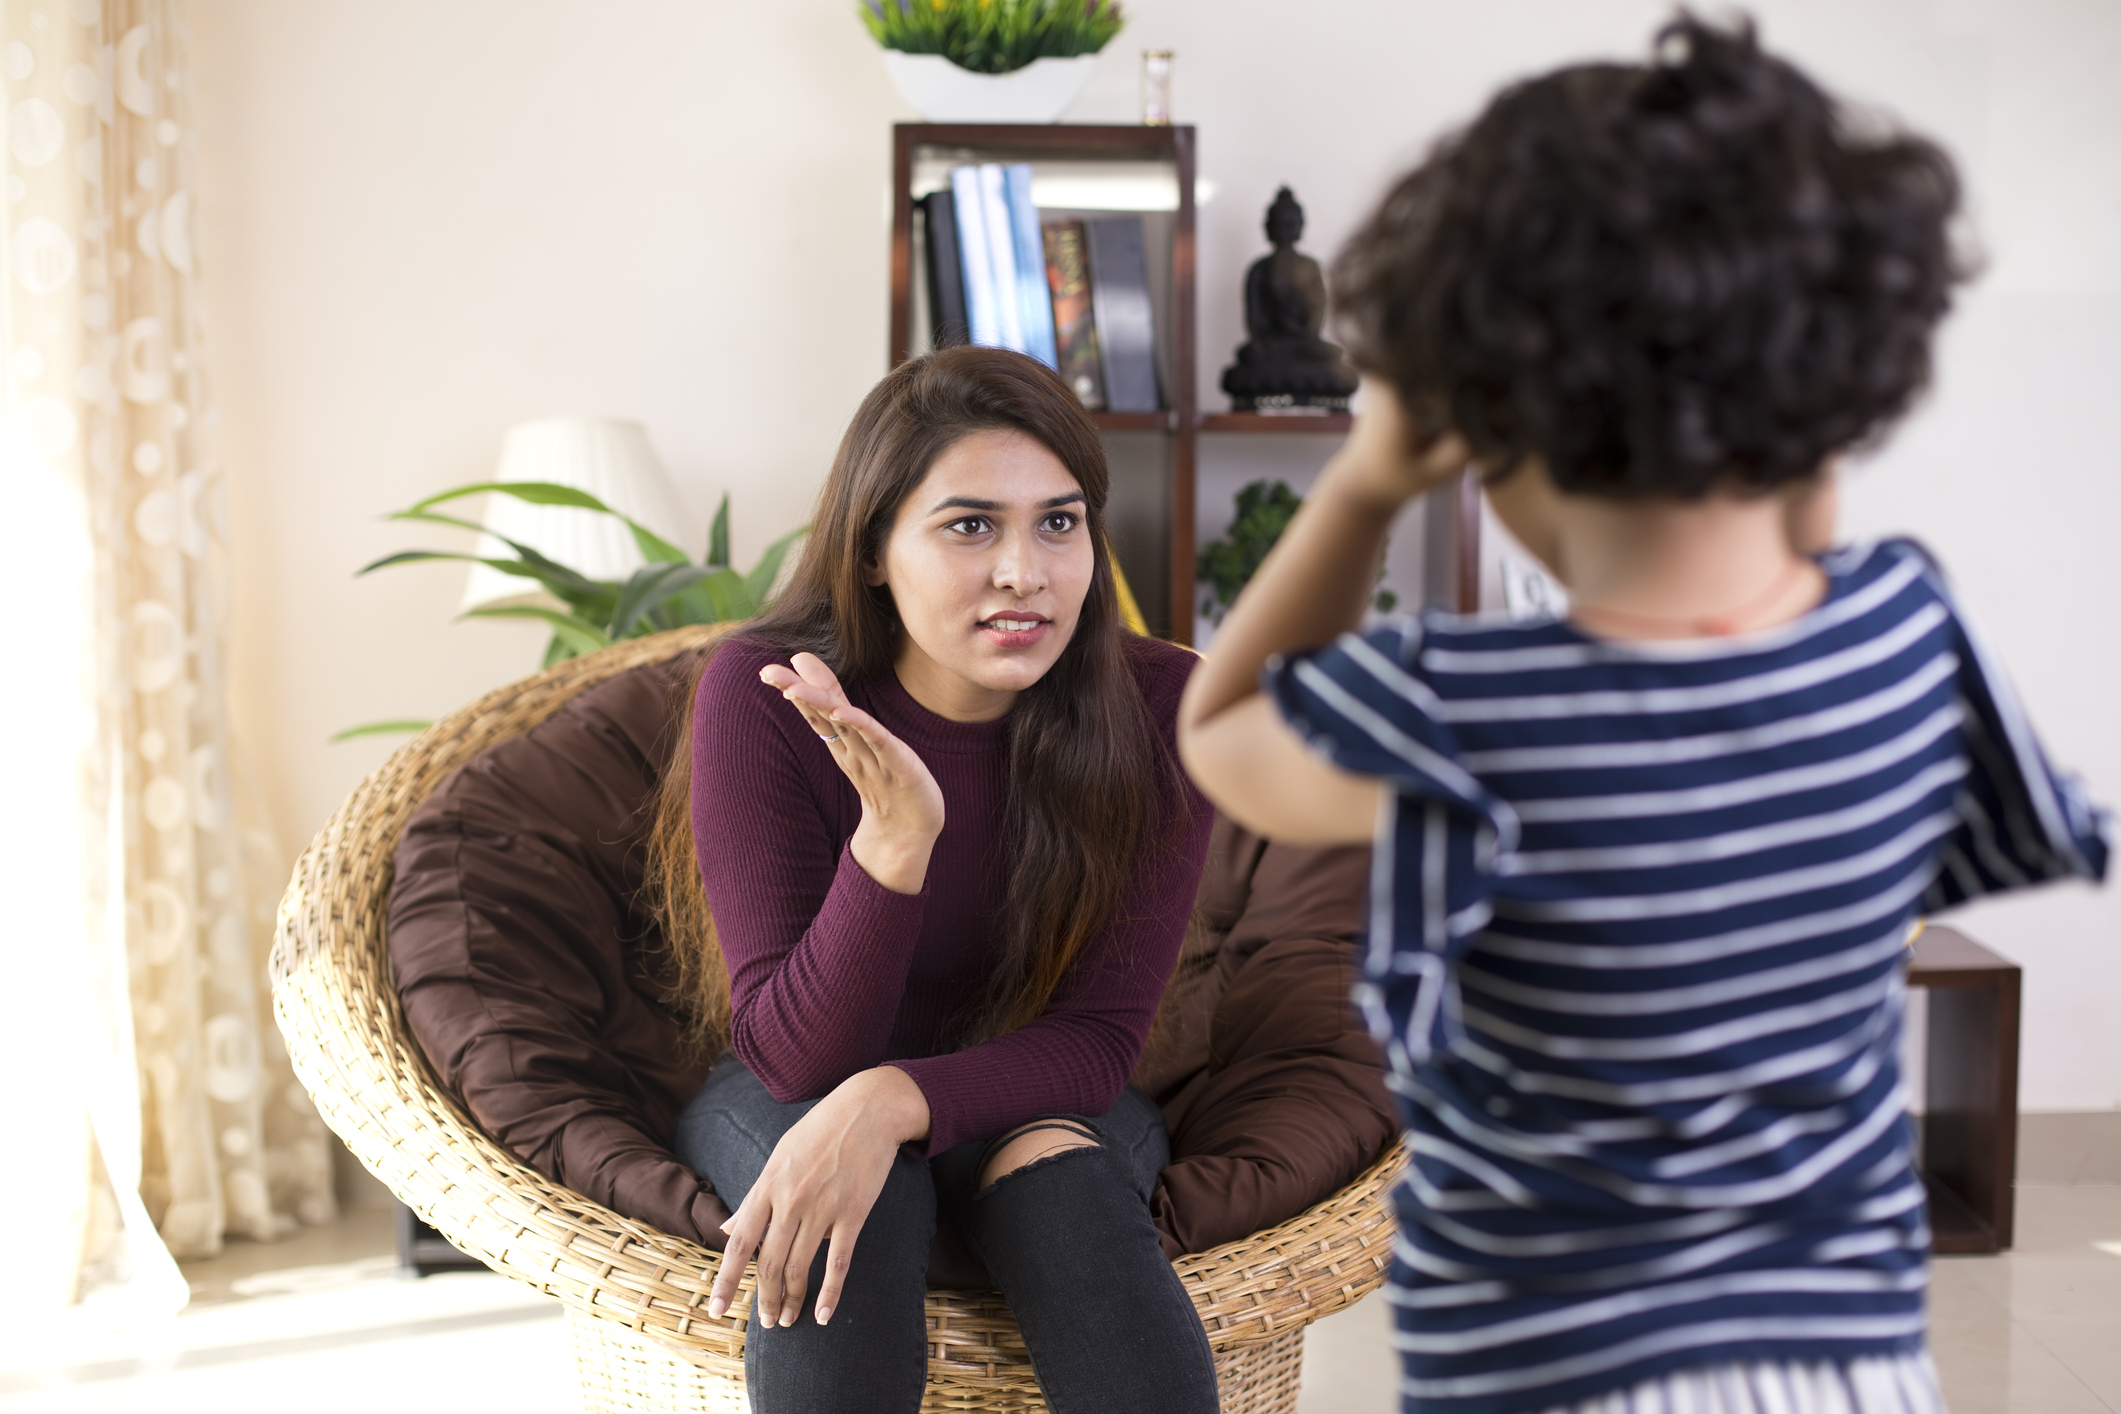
point(947, 322)
point(969, 207)
point(1001, 255)
point(1033, 301)
point(1119, 302)
point(1074, 329)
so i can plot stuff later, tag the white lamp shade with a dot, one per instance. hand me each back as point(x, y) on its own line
point(612, 461)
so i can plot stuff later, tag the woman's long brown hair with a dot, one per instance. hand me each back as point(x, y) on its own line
point(1086, 767)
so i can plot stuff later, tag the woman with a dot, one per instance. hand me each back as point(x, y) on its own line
point(935, 802)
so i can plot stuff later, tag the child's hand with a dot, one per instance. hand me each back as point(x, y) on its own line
point(1385, 459)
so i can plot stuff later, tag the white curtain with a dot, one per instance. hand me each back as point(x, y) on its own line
point(137, 879)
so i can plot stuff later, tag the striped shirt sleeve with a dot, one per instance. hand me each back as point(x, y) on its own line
point(1362, 704)
point(2021, 821)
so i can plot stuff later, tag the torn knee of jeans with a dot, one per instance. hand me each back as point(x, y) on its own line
point(1053, 1140)
point(1043, 1161)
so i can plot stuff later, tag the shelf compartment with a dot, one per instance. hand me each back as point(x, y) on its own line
point(1334, 424)
point(1133, 421)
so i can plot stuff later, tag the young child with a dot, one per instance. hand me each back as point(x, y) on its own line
point(1644, 875)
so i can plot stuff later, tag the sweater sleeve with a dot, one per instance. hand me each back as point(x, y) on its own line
point(817, 950)
point(1076, 1057)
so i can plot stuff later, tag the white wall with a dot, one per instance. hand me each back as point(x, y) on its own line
point(426, 219)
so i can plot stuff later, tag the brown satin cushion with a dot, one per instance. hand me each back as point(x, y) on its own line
point(1272, 1089)
point(534, 981)
point(530, 974)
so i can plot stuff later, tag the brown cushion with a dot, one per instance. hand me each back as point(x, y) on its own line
point(535, 982)
point(1273, 1090)
point(532, 977)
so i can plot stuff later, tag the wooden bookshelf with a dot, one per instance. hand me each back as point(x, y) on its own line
point(1170, 583)
point(1454, 513)
point(1132, 421)
point(1335, 424)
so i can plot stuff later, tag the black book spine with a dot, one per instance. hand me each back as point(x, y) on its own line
point(946, 272)
point(1119, 297)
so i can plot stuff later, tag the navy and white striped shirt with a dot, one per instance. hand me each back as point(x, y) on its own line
point(1635, 956)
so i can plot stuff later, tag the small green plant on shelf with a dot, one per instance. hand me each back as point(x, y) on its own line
point(993, 36)
point(667, 592)
point(1225, 566)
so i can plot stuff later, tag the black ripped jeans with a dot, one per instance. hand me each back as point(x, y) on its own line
point(1068, 1240)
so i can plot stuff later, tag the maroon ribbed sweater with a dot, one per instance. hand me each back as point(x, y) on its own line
point(830, 973)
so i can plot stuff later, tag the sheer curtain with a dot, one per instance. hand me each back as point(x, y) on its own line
point(137, 881)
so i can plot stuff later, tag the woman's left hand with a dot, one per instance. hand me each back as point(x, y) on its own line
point(818, 1186)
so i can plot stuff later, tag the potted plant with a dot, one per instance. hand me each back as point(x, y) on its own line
point(991, 61)
point(586, 614)
point(1224, 567)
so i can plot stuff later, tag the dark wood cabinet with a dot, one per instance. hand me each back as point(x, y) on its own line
point(1969, 1125)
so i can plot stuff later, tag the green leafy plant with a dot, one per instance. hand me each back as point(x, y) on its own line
point(1225, 566)
point(669, 591)
point(993, 36)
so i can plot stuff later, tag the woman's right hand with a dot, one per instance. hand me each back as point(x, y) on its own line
point(902, 807)
point(817, 1187)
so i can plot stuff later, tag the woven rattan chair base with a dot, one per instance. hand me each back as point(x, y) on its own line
point(622, 1373)
point(637, 1298)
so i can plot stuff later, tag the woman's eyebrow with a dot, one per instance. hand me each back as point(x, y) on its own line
point(969, 503)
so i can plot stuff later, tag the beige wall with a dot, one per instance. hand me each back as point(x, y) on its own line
point(423, 220)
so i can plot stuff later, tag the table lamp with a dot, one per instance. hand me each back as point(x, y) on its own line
point(609, 459)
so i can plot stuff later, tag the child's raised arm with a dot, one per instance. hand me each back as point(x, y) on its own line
point(1310, 589)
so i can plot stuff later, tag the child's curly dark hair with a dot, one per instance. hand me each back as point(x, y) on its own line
point(1659, 279)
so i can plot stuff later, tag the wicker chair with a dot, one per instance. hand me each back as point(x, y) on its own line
point(635, 1297)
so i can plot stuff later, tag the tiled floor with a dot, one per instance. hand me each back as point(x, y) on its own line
point(322, 1325)
point(2039, 1328)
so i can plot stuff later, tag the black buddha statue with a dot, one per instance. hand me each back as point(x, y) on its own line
point(1285, 365)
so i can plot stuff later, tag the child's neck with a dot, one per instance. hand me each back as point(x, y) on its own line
point(1666, 569)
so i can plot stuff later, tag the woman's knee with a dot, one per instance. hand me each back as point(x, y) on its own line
point(728, 1130)
point(1032, 1143)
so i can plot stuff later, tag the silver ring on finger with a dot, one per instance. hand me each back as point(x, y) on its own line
point(834, 737)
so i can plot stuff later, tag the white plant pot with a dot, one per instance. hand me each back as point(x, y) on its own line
point(1037, 93)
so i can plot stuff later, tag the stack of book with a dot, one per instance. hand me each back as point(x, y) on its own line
point(1073, 294)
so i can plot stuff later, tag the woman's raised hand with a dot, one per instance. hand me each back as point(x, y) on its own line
point(902, 807)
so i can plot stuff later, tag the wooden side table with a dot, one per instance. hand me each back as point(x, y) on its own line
point(1969, 1152)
